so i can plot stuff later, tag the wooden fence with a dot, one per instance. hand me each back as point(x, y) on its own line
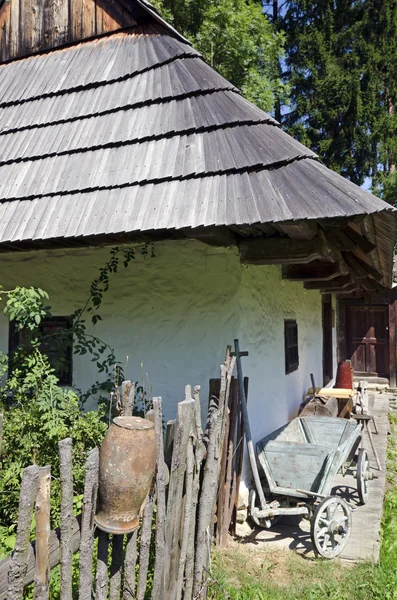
point(167, 558)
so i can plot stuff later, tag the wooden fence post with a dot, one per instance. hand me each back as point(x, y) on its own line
point(116, 567)
point(158, 576)
point(102, 577)
point(87, 525)
point(146, 536)
point(199, 452)
point(42, 575)
point(174, 517)
point(128, 397)
point(19, 561)
point(129, 566)
point(66, 525)
point(210, 485)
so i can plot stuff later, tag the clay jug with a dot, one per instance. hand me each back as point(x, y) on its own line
point(126, 468)
point(344, 378)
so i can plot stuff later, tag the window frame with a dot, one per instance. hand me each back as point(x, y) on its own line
point(67, 322)
point(291, 346)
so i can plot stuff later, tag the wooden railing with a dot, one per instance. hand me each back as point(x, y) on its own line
point(184, 501)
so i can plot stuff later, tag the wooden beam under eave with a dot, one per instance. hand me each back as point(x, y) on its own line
point(361, 267)
point(347, 240)
point(313, 271)
point(339, 283)
point(279, 251)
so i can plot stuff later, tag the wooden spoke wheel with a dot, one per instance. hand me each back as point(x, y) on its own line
point(330, 527)
point(363, 476)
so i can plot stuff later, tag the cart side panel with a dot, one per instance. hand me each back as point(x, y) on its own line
point(328, 431)
point(292, 465)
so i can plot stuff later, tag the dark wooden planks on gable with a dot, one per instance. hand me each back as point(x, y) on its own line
point(30, 26)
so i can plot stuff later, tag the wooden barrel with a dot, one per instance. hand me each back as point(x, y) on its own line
point(344, 376)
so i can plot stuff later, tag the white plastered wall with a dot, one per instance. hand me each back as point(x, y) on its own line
point(177, 312)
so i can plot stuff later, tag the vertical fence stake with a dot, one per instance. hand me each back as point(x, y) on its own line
point(42, 572)
point(129, 566)
point(116, 567)
point(87, 525)
point(66, 525)
point(102, 578)
point(19, 560)
point(128, 397)
point(158, 576)
point(144, 555)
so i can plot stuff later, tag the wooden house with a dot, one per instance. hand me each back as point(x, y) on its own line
point(114, 131)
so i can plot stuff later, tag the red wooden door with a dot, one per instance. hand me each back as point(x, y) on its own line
point(367, 329)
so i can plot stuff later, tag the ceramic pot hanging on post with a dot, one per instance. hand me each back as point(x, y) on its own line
point(126, 469)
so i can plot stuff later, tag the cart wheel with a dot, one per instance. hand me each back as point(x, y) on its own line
point(330, 527)
point(363, 475)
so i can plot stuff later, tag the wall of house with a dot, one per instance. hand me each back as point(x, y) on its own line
point(177, 312)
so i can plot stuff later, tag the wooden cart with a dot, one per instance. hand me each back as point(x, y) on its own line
point(300, 461)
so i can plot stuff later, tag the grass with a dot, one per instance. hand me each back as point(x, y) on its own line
point(241, 574)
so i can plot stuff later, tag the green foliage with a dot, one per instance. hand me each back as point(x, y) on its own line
point(38, 413)
point(341, 68)
point(237, 39)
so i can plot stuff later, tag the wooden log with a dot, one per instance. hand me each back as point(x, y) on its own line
point(131, 554)
point(102, 577)
point(144, 554)
point(87, 525)
point(188, 517)
point(54, 556)
point(210, 484)
point(339, 283)
point(116, 567)
point(199, 452)
point(128, 397)
point(169, 441)
point(161, 479)
point(67, 519)
point(183, 427)
point(42, 576)
point(18, 565)
point(280, 250)
point(316, 270)
point(239, 455)
point(202, 540)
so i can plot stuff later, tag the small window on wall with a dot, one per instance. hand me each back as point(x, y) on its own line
point(291, 346)
point(54, 342)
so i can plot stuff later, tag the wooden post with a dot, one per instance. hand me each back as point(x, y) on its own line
point(210, 485)
point(102, 578)
point(188, 517)
point(158, 576)
point(183, 427)
point(66, 525)
point(42, 576)
point(116, 567)
point(19, 561)
point(87, 525)
point(128, 397)
point(248, 437)
point(393, 343)
point(199, 452)
point(144, 555)
point(129, 566)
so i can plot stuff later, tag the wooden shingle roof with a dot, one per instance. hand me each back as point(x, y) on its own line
point(134, 132)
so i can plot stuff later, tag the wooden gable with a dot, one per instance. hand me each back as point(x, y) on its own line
point(30, 26)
